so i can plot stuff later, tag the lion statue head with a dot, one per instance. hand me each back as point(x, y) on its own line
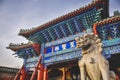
point(89, 43)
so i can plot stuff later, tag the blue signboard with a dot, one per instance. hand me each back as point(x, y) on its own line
point(60, 47)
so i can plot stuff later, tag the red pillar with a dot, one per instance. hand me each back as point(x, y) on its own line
point(94, 28)
point(45, 74)
point(36, 68)
point(23, 74)
point(40, 72)
point(36, 46)
point(117, 77)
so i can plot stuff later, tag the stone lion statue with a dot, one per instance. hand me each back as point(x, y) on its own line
point(93, 65)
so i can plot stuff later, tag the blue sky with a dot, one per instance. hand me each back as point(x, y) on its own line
point(25, 14)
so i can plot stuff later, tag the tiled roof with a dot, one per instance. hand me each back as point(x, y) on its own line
point(108, 20)
point(16, 47)
point(27, 32)
point(8, 69)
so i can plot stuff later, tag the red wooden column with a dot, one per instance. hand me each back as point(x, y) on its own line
point(94, 28)
point(23, 74)
point(18, 74)
point(40, 72)
point(36, 68)
point(36, 46)
point(45, 74)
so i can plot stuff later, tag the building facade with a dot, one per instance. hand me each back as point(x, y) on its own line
point(7, 73)
point(51, 52)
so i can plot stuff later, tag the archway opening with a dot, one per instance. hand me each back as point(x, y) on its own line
point(115, 63)
point(73, 73)
point(55, 74)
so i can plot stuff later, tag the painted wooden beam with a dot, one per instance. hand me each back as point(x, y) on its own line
point(63, 31)
point(50, 33)
point(69, 28)
point(76, 25)
point(56, 32)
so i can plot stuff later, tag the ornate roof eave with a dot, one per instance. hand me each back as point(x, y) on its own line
point(26, 32)
point(108, 20)
point(15, 47)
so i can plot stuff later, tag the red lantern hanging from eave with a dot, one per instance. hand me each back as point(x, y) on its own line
point(36, 47)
